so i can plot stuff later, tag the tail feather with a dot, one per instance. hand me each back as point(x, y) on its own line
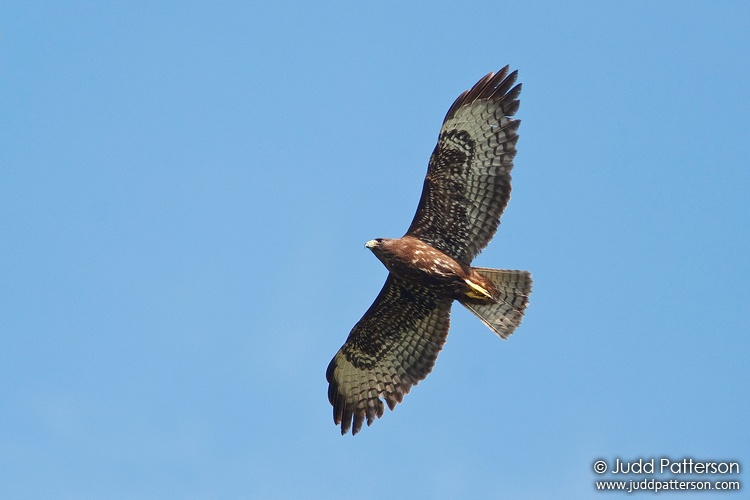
point(504, 314)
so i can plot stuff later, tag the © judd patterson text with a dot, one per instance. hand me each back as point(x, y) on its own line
point(666, 466)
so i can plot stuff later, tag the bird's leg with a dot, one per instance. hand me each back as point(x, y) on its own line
point(477, 291)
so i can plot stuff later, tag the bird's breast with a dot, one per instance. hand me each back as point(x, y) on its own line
point(418, 262)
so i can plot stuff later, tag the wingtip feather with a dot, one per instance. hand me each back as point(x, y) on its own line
point(490, 86)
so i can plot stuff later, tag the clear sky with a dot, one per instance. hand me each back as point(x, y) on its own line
point(185, 194)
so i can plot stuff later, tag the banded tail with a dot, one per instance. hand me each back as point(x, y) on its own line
point(504, 314)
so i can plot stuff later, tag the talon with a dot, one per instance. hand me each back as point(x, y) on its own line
point(477, 292)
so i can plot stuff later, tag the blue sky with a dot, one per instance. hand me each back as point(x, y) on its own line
point(185, 192)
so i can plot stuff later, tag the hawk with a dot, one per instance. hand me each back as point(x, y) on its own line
point(467, 187)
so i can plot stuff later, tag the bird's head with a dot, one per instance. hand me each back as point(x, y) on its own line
point(381, 247)
point(373, 244)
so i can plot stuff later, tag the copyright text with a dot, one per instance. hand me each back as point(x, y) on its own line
point(665, 466)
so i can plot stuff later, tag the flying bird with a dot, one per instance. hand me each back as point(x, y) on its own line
point(466, 189)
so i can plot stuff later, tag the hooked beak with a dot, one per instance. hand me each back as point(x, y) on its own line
point(371, 244)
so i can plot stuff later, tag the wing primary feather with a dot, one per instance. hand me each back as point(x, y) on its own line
point(512, 108)
point(456, 104)
point(359, 419)
point(487, 87)
point(370, 411)
point(511, 98)
point(481, 87)
point(501, 87)
point(346, 422)
point(338, 409)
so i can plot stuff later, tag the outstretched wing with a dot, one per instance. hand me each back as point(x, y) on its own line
point(468, 179)
point(389, 350)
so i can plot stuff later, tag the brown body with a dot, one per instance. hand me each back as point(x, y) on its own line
point(415, 261)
